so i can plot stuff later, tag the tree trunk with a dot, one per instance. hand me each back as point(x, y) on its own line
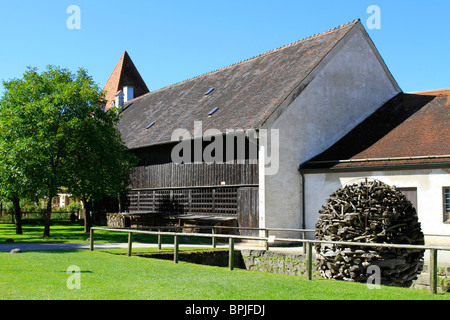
point(47, 217)
point(17, 215)
point(87, 215)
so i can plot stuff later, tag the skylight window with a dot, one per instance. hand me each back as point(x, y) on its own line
point(213, 111)
point(150, 125)
point(209, 91)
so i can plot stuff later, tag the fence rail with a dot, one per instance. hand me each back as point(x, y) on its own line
point(215, 228)
point(270, 239)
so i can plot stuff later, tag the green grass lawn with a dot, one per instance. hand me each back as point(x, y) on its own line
point(65, 231)
point(111, 275)
point(107, 275)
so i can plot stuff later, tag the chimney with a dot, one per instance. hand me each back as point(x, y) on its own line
point(128, 93)
point(119, 99)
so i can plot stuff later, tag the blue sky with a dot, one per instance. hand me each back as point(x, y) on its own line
point(170, 41)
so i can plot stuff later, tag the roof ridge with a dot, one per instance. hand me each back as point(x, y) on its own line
point(432, 91)
point(354, 22)
point(125, 72)
point(122, 59)
point(283, 47)
point(301, 40)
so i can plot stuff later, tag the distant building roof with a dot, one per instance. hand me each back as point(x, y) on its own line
point(409, 129)
point(246, 93)
point(124, 74)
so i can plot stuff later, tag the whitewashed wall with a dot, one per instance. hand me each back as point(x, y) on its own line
point(348, 88)
point(429, 184)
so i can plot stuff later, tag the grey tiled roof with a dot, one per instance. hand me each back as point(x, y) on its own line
point(246, 93)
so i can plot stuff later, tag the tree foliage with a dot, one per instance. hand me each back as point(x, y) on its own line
point(98, 163)
point(53, 134)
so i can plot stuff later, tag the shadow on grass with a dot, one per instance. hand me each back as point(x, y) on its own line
point(203, 256)
point(73, 232)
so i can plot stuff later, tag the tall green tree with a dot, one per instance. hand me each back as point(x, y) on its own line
point(17, 163)
point(13, 183)
point(44, 113)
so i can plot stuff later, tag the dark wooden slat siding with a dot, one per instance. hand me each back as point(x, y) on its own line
point(218, 201)
point(158, 186)
point(173, 175)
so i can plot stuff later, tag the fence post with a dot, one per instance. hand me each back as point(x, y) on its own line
point(309, 260)
point(214, 241)
point(175, 249)
point(266, 233)
point(91, 239)
point(231, 255)
point(159, 239)
point(433, 271)
point(304, 244)
point(130, 241)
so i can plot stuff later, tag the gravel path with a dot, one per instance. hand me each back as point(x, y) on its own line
point(70, 246)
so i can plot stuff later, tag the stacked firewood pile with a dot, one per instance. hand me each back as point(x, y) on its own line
point(370, 212)
point(115, 220)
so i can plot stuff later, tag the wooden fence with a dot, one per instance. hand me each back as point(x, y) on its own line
point(308, 243)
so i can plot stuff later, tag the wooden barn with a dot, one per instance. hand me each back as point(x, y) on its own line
point(225, 147)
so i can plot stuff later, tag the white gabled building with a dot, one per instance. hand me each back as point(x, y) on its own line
point(348, 84)
point(405, 143)
point(315, 98)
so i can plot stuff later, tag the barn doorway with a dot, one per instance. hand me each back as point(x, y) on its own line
point(248, 210)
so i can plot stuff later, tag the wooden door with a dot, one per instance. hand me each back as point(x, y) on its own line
point(248, 213)
point(410, 194)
